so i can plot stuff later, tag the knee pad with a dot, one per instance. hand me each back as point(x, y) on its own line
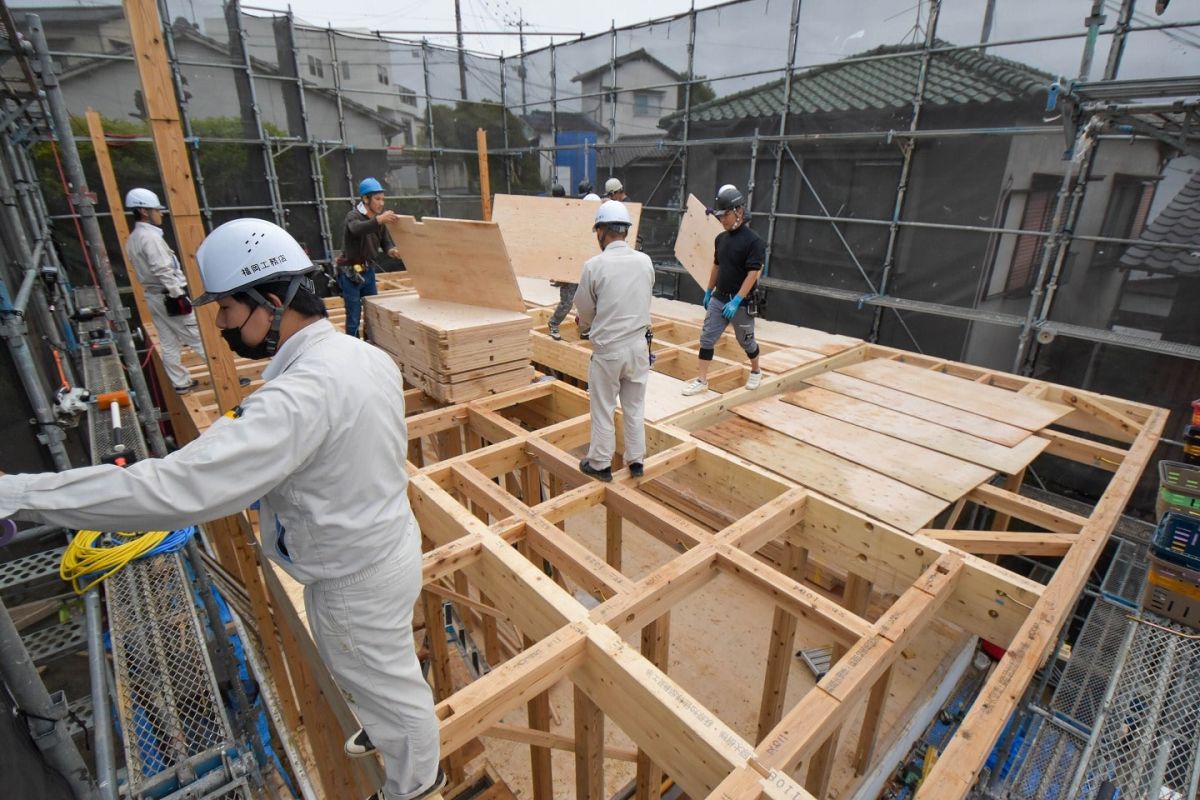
point(754, 354)
point(706, 354)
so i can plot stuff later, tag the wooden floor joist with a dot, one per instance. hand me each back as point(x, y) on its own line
point(502, 471)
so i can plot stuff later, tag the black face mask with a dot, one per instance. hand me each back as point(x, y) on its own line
point(233, 338)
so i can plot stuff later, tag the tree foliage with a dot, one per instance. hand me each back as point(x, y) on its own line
point(455, 127)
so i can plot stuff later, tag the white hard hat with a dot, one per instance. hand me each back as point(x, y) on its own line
point(143, 198)
point(612, 212)
point(613, 185)
point(245, 252)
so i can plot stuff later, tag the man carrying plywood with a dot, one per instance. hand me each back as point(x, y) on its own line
point(366, 236)
point(566, 291)
point(614, 305)
point(738, 258)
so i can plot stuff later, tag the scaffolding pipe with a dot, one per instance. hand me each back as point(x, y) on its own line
point(43, 716)
point(554, 112)
point(612, 86)
point(102, 727)
point(776, 180)
point(504, 126)
point(234, 15)
point(433, 169)
point(687, 110)
point(314, 160)
point(84, 206)
point(341, 114)
point(889, 258)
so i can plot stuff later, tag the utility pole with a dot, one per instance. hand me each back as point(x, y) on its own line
point(521, 36)
point(462, 59)
point(989, 16)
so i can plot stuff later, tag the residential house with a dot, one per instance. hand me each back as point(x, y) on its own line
point(630, 95)
point(972, 177)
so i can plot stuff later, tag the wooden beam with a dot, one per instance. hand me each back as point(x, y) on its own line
point(957, 769)
point(162, 111)
point(556, 741)
point(1032, 511)
point(1083, 451)
point(485, 185)
point(1006, 543)
point(1120, 424)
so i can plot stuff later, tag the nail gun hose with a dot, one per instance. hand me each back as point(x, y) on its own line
point(86, 563)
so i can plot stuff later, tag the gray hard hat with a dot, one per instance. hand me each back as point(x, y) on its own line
point(729, 197)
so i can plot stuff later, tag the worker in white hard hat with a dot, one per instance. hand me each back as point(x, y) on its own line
point(614, 306)
point(163, 285)
point(365, 236)
point(615, 190)
point(321, 446)
point(738, 258)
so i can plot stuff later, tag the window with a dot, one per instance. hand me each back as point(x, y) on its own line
point(647, 104)
point(382, 73)
point(345, 70)
point(320, 69)
point(312, 65)
point(1125, 218)
point(1038, 216)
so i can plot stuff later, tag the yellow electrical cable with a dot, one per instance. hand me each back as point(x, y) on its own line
point(84, 559)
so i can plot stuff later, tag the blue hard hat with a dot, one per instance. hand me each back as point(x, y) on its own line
point(369, 186)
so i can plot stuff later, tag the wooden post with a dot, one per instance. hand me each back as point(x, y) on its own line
point(485, 185)
point(612, 538)
point(589, 748)
point(779, 651)
point(868, 736)
point(162, 110)
point(656, 647)
point(443, 686)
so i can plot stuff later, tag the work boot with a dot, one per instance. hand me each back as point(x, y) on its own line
point(695, 386)
point(185, 389)
point(636, 470)
point(554, 334)
point(359, 745)
point(604, 475)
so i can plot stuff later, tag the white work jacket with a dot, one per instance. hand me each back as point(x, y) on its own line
point(322, 444)
point(154, 262)
point(613, 298)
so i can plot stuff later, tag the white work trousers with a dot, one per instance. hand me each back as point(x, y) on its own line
point(173, 332)
point(623, 373)
point(362, 625)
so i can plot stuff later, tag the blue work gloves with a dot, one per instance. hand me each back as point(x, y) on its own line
point(707, 296)
point(731, 307)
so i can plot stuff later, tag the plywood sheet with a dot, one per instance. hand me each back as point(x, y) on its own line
point(965, 421)
point(875, 495)
point(664, 397)
point(695, 241)
point(551, 237)
point(988, 401)
point(930, 471)
point(789, 358)
point(445, 316)
point(457, 260)
point(538, 291)
point(1008, 460)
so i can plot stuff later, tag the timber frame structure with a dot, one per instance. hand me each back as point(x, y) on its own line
point(493, 483)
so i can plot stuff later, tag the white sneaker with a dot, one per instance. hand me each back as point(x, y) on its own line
point(754, 381)
point(695, 386)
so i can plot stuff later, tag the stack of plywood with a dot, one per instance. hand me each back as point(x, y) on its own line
point(464, 334)
point(452, 352)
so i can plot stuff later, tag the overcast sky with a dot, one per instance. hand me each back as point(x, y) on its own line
point(829, 29)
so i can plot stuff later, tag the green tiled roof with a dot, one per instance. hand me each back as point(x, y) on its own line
point(956, 77)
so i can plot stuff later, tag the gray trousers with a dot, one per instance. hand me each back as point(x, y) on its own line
point(362, 625)
point(566, 298)
point(173, 332)
point(622, 374)
point(715, 324)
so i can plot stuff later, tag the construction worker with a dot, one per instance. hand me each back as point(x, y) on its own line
point(365, 238)
point(557, 190)
point(614, 306)
point(321, 445)
point(586, 192)
point(737, 261)
point(614, 190)
point(164, 286)
point(566, 291)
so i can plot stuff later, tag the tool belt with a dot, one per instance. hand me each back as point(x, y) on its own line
point(355, 273)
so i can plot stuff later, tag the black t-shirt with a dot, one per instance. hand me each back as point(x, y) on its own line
point(738, 253)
